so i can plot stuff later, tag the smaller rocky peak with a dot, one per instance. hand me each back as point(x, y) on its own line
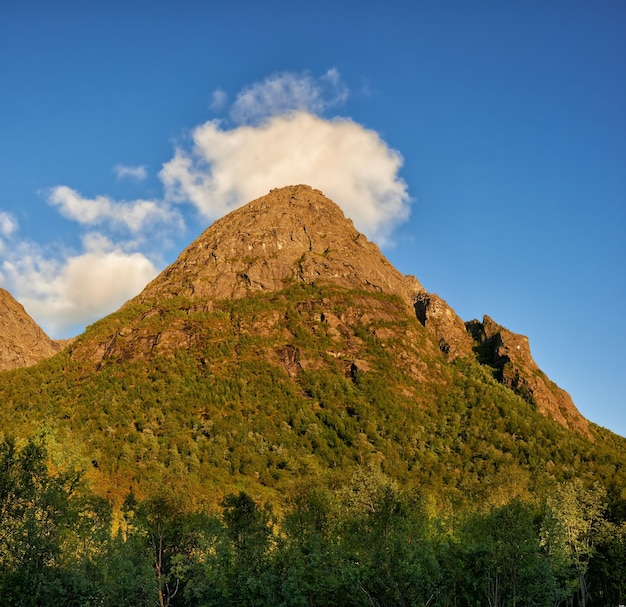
point(442, 321)
point(509, 354)
point(22, 341)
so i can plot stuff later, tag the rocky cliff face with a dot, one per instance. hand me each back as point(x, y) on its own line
point(442, 321)
point(22, 342)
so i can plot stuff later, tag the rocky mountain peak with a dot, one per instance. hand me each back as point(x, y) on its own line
point(291, 234)
point(22, 342)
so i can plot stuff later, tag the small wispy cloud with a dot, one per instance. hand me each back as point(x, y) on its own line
point(219, 100)
point(288, 92)
point(133, 215)
point(8, 224)
point(130, 172)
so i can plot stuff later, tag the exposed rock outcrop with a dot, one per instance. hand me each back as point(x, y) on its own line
point(509, 354)
point(441, 320)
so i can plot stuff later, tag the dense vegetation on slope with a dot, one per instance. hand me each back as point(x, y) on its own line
point(271, 389)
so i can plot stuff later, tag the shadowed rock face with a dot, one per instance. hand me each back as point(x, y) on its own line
point(442, 321)
point(509, 354)
point(22, 342)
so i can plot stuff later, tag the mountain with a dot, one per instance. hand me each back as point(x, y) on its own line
point(281, 348)
point(297, 235)
point(22, 342)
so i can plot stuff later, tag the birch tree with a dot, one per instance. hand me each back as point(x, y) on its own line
point(573, 527)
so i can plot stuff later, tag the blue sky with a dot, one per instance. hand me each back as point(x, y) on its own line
point(482, 145)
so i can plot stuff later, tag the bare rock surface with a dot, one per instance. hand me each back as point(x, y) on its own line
point(22, 341)
point(292, 234)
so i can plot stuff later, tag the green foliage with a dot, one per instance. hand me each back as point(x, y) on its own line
point(503, 562)
point(223, 413)
point(574, 526)
point(367, 542)
point(367, 404)
point(49, 529)
point(607, 568)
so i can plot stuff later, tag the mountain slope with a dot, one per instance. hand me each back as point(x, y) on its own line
point(282, 346)
point(297, 235)
point(22, 342)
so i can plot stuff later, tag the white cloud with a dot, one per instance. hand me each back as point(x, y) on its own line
point(65, 294)
point(134, 215)
point(8, 226)
point(288, 92)
point(95, 242)
point(352, 165)
point(133, 172)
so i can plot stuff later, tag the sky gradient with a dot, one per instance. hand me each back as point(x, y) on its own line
point(482, 146)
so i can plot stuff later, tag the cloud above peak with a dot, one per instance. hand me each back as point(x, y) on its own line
point(351, 164)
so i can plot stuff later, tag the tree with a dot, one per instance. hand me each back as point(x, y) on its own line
point(168, 536)
point(504, 560)
point(390, 543)
point(234, 564)
point(573, 527)
point(310, 561)
point(50, 528)
point(607, 570)
point(249, 529)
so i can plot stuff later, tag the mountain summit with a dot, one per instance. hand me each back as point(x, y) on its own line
point(292, 234)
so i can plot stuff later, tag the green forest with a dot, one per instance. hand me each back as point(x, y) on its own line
point(366, 542)
point(254, 452)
